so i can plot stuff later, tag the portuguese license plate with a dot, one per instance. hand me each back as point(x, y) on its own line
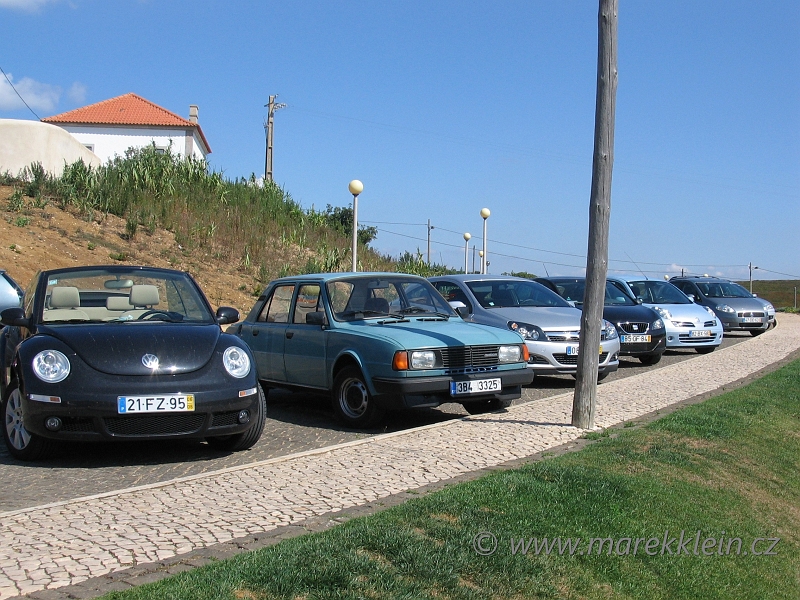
point(477, 386)
point(573, 350)
point(155, 404)
point(751, 320)
point(634, 339)
point(700, 333)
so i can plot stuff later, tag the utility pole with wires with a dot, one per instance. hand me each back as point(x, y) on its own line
point(429, 241)
point(268, 127)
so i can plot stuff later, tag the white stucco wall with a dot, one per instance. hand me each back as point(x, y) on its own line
point(110, 141)
point(26, 142)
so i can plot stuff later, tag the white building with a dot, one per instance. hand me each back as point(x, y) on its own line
point(110, 127)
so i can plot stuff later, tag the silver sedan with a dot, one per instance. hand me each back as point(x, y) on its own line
point(549, 325)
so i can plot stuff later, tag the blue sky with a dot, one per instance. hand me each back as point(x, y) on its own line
point(443, 108)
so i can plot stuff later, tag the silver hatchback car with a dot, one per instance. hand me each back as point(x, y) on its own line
point(688, 325)
point(549, 325)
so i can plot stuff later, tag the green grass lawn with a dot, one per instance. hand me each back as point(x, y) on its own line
point(727, 468)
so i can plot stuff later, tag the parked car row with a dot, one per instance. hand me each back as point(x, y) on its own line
point(122, 353)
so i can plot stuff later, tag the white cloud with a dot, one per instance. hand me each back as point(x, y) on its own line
point(26, 5)
point(77, 93)
point(39, 96)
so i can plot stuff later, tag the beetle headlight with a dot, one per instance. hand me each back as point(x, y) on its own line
point(509, 354)
point(236, 362)
point(423, 359)
point(51, 366)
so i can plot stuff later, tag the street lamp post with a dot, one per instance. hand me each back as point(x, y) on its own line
point(467, 237)
point(355, 187)
point(485, 212)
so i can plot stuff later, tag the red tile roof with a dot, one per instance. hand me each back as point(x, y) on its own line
point(128, 109)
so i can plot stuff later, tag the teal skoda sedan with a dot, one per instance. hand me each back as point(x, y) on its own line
point(379, 341)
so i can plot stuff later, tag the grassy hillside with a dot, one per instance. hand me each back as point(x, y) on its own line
point(253, 227)
point(780, 292)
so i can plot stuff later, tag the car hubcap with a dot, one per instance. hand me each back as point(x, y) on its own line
point(17, 434)
point(353, 398)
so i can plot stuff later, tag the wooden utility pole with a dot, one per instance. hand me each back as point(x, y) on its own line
point(583, 406)
point(273, 106)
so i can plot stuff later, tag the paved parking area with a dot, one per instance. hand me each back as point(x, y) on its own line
point(297, 423)
point(123, 537)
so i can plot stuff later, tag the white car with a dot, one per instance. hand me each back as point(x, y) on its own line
point(688, 325)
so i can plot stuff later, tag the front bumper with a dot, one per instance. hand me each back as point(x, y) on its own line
point(552, 358)
point(680, 336)
point(743, 321)
point(89, 412)
point(656, 345)
point(417, 392)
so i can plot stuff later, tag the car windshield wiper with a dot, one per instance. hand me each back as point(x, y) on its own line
point(371, 313)
point(420, 310)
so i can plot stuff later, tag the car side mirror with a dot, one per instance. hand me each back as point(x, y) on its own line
point(460, 308)
point(639, 300)
point(690, 297)
point(14, 316)
point(755, 295)
point(316, 318)
point(227, 315)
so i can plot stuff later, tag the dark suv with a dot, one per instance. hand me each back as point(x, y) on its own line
point(737, 309)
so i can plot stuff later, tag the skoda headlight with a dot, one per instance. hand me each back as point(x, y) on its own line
point(610, 330)
point(725, 308)
point(51, 366)
point(236, 362)
point(528, 331)
point(423, 359)
point(658, 324)
point(509, 354)
point(663, 313)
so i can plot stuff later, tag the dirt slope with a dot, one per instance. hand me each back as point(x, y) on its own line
point(50, 238)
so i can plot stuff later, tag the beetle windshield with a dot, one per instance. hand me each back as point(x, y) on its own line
point(113, 295)
point(658, 292)
point(358, 298)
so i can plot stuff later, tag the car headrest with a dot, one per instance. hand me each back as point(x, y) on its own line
point(118, 303)
point(65, 297)
point(144, 295)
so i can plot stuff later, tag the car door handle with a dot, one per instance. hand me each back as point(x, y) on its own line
point(289, 334)
point(255, 332)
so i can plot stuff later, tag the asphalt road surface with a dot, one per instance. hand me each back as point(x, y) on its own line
point(296, 422)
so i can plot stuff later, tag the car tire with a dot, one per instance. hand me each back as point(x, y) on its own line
point(601, 376)
point(755, 332)
point(246, 439)
point(705, 349)
point(485, 406)
point(650, 359)
point(21, 443)
point(352, 403)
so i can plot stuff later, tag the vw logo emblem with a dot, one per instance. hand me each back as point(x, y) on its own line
point(150, 361)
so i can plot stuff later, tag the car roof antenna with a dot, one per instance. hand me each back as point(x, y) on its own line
point(545, 269)
point(637, 266)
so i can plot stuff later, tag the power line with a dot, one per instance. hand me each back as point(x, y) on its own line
point(18, 94)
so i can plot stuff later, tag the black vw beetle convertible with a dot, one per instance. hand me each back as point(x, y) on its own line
point(124, 353)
